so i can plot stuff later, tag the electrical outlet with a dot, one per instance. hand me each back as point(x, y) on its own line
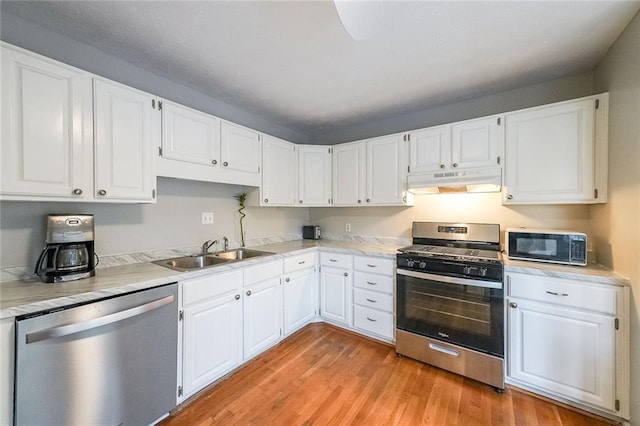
point(207, 218)
point(347, 227)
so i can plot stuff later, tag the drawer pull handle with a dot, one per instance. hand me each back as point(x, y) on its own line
point(301, 262)
point(370, 283)
point(333, 260)
point(371, 300)
point(443, 350)
point(553, 293)
point(371, 266)
point(372, 320)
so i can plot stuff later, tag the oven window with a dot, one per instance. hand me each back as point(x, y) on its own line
point(468, 316)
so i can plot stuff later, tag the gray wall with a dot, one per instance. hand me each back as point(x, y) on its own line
point(175, 221)
point(36, 38)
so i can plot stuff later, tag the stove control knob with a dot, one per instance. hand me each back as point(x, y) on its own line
point(410, 263)
point(422, 265)
point(483, 272)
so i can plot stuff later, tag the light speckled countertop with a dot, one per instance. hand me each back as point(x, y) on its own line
point(27, 296)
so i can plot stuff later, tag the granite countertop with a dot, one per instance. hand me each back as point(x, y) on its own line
point(30, 295)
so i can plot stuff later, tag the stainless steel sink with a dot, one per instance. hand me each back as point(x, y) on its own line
point(239, 254)
point(189, 263)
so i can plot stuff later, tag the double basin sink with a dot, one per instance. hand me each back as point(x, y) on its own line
point(192, 263)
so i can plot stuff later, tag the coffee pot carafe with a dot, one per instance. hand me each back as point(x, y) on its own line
point(68, 252)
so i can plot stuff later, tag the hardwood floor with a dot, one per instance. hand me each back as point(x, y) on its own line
point(323, 375)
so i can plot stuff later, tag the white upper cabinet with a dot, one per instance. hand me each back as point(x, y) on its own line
point(314, 175)
point(464, 145)
point(557, 153)
point(125, 125)
point(349, 173)
point(240, 148)
point(47, 141)
point(386, 170)
point(190, 135)
point(279, 172)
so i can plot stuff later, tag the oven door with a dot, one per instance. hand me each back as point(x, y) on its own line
point(464, 312)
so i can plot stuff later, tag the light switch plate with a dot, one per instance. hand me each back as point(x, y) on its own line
point(207, 218)
point(347, 227)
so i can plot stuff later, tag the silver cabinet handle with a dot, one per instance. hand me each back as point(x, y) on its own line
point(237, 297)
point(266, 200)
point(225, 164)
point(370, 283)
point(77, 191)
point(300, 201)
point(214, 162)
point(102, 192)
point(509, 197)
point(287, 279)
point(371, 300)
point(77, 327)
point(359, 201)
point(368, 200)
point(442, 166)
point(302, 262)
point(455, 164)
point(553, 293)
point(248, 292)
point(346, 274)
point(333, 260)
point(513, 305)
point(443, 349)
point(372, 320)
point(371, 266)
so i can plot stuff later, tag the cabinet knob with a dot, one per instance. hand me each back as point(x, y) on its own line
point(237, 297)
point(102, 192)
point(225, 164)
point(442, 166)
point(359, 201)
point(368, 200)
point(346, 274)
point(287, 279)
point(77, 191)
point(266, 200)
point(513, 305)
point(509, 197)
point(455, 164)
point(300, 201)
point(248, 292)
point(214, 162)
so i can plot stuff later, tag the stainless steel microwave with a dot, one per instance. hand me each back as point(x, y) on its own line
point(540, 245)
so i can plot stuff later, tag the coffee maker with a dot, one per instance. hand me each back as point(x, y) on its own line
point(68, 251)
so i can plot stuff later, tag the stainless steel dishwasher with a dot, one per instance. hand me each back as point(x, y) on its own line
point(110, 362)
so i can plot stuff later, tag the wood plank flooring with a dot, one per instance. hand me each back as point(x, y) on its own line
point(326, 376)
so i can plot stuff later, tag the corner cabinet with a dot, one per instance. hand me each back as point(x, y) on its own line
point(314, 175)
point(557, 154)
point(67, 136)
point(569, 340)
point(279, 173)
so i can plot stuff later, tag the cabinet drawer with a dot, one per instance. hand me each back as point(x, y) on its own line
point(376, 265)
point(374, 282)
point(336, 260)
point(199, 289)
point(262, 271)
point(377, 322)
point(562, 292)
point(373, 299)
point(298, 262)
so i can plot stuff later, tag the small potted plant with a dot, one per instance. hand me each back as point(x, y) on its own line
point(242, 198)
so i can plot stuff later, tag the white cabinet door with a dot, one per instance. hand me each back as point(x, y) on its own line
point(279, 172)
point(124, 141)
point(429, 149)
point(567, 352)
point(240, 148)
point(47, 139)
point(386, 170)
point(262, 316)
point(349, 164)
point(476, 143)
point(190, 135)
point(299, 297)
point(212, 341)
point(550, 154)
point(314, 175)
point(335, 295)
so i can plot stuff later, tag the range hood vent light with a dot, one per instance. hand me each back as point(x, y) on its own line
point(463, 181)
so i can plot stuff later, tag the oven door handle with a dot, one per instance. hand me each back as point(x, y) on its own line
point(450, 280)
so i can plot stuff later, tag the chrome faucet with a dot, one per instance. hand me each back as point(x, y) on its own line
point(207, 245)
point(226, 243)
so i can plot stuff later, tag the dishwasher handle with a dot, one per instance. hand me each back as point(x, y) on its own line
point(65, 330)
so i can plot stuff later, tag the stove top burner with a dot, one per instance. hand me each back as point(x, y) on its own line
point(456, 253)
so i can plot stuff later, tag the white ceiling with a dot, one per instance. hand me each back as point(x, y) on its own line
point(294, 65)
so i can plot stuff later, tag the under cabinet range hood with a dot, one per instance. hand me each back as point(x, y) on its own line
point(446, 182)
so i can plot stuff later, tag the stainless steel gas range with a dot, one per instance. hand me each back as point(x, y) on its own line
point(450, 299)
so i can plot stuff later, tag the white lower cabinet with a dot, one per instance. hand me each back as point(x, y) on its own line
point(7, 343)
point(211, 329)
point(262, 316)
point(373, 296)
point(567, 339)
point(300, 301)
point(335, 288)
